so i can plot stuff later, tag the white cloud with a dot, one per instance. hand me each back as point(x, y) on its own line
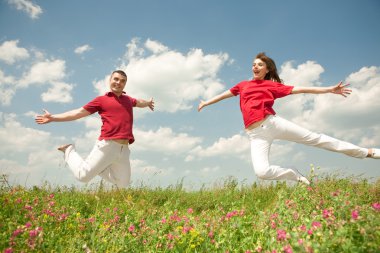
point(7, 88)
point(206, 171)
point(93, 122)
point(305, 74)
point(10, 52)
point(173, 79)
point(25, 150)
point(82, 49)
point(44, 72)
point(165, 140)
point(13, 141)
point(235, 146)
point(8, 167)
point(102, 86)
point(140, 167)
point(41, 72)
point(59, 92)
point(33, 10)
point(155, 47)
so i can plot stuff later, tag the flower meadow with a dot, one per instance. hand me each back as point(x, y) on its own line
point(331, 215)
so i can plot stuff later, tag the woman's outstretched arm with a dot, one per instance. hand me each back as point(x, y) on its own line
point(339, 89)
point(217, 98)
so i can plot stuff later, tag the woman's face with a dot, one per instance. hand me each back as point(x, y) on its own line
point(259, 69)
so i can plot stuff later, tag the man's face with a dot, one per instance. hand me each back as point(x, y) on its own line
point(117, 83)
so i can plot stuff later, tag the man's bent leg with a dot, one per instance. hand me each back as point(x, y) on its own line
point(97, 161)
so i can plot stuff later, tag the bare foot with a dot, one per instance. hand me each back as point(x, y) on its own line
point(374, 153)
point(64, 147)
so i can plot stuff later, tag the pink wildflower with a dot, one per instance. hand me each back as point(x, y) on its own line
point(327, 213)
point(8, 250)
point(28, 224)
point(211, 234)
point(231, 214)
point(288, 249)
point(17, 232)
point(116, 218)
point(281, 234)
point(355, 214)
point(274, 216)
point(131, 228)
point(376, 206)
point(190, 211)
point(163, 220)
point(63, 217)
point(186, 229)
point(170, 236)
point(33, 233)
point(175, 217)
point(28, 207)
point(310, 232)
point(316, 224)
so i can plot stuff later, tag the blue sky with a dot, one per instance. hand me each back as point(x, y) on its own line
point(57, 55)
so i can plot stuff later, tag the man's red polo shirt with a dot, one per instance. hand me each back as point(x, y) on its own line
point(116, 114)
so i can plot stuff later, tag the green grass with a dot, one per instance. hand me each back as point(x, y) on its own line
point(333, 215)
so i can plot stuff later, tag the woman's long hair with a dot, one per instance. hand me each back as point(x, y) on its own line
point(271, 66)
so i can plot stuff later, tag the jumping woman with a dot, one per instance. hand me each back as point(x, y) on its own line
point(263, 126)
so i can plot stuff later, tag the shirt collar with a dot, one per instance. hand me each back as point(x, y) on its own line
point(110, 93)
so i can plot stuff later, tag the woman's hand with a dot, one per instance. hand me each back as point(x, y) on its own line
point(201, 105)
point(341, 89)
point(151, 104)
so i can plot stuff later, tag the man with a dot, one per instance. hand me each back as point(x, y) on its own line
point(110, 156)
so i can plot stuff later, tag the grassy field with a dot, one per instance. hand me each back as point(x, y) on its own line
point(333, 215)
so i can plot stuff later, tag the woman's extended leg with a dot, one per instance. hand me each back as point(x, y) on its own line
point(287, 130)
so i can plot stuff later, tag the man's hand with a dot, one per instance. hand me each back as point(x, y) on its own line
point(43, 119)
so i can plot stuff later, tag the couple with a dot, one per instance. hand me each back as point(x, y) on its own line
point(110, 156)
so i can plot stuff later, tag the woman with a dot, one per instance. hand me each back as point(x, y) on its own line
point(263, 126)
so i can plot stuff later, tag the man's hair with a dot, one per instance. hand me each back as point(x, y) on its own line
point(119, 72)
